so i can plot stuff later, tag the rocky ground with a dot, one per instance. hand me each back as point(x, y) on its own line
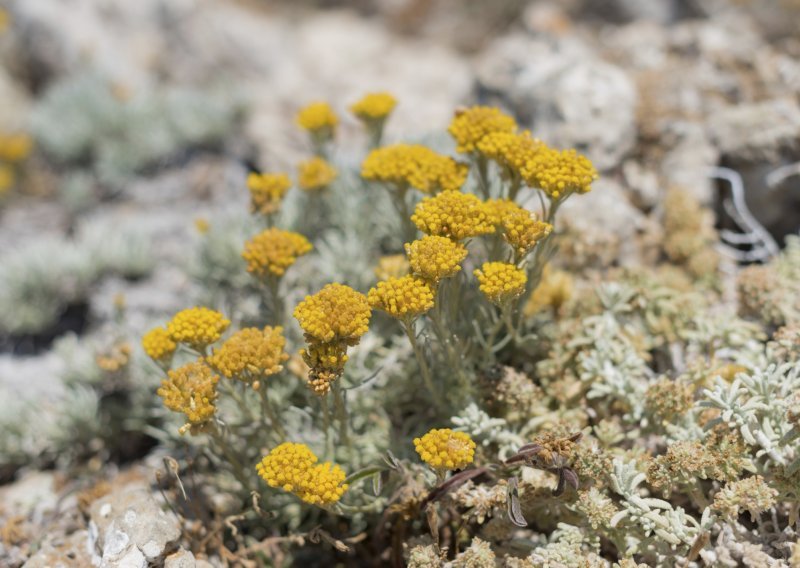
point(656, 93)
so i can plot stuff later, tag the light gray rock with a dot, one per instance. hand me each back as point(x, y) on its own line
point(688, 163)
point(180, 559)
point(132, 528)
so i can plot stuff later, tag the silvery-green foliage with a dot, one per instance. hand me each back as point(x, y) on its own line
point(123, 250)
point(82, 119)
point(218, 264)
point(568, 547)
point(488, 431)
point(78, 359)
point(758, 404)
point(654, 524)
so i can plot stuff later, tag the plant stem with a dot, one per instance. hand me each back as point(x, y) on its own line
point(341, 415)
point(269, 410)
point(222, 447)
point(423, 364)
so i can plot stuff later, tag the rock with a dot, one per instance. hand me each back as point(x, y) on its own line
point(688, 164)
point(66, 552)
point(565, 95)
point(181, 559)
point(130, 527)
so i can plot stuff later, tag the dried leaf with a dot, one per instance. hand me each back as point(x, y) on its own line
point(513, 507)
point(571, 477)
point(454, 481)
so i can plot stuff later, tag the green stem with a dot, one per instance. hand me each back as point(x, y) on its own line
point(341, 415)
point(482, 165)
point(327, 426)
point(423, 364)
point(269, 411)
point(276, 303)
point(224, 449)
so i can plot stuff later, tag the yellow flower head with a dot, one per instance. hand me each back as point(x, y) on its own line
point(315, 174)
point(454, 215)
point(510, 150)
point(326, 364)
point(202, 225)
point(554, 291)
point(271, 252)
point(470, 125)
point(392, 266)
point(191, 389)
point(501, 282)
point(404, 298)
point(498, 209)
point(318, 118)
point(523, 229)
point(445, 449)
point(293, 468)
point(337, 312)
point(158, 345)
point(559, 172)
point(197, 327)
point(414, 165)
point(251, 354)
point(15, 147)
point(267, 191)
point(433, 257)
point(374, 107)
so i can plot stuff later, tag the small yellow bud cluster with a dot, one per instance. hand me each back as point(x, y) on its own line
point(523, 229)
point(511, 151)
point(445, 449)
point(498, 209)
point(251, 354)
point(293, 467)
point(332, 319)
point(470, 125)
point(404, 298)
point(391, 266)
point(13, 148)
point(558, 173)
point(158, 345)
point(319, 119)
point(267, 191)
point(271, 252)
point(414, 165)
point(197, 327)
point(374, 107)
point(501, 282)
point(191, 389)
point(453, 215)
point(315, 174)
point(433, 257)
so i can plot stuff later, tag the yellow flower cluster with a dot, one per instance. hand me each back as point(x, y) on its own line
point(522, 229)
point(414, 165)
point(454, 215)
point(332, 319)
point(470, 125)
point(374, 106)
point(554, 290)
point(191, 389)
point(318, 117)
point(251, 354)
point(501, 282)
point(404, 298)
point(271, 252)
point(433, 257)
point(558, 173)
point(497, 209)
point(158, 345)
point(337, 312)
point(293, 467)
point(197, 327)
point(510, 150)
point(315, 174)
point(326, 364)
point(267, 191)
point(15, 147)
point(391, 266)
point(445, 449)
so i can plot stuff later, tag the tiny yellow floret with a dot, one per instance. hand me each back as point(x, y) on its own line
point(191, 389)
point(414, 165)
point(267, 192)
point(511, 151)
point(315, 174)
point(251, 354)
point(197, 327)
point(158, 345)
point(433, 257)
point(325, 363)
point(454, 215)
point(501, 282)
point(15, 147)
point(293, 468)
point(392, 266)
point(404, 298)
point(522, 229)
point(470, 125)
point(337, 312)
point(374, 106)
point(445, 449)
point(272, 252)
